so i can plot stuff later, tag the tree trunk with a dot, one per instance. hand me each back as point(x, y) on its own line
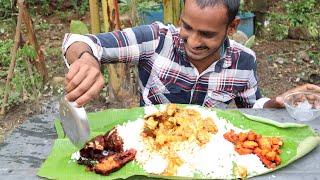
point(94, 16)
point(167, 11)
point(12, 63)
point(172, 10)
point(39, 61)
point(176, 11)
point(121, 85)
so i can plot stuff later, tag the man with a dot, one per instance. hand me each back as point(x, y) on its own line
point(196, 64)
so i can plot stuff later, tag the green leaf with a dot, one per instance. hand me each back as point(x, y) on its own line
point(249, 43)
point(78, 27)
point(298, 141)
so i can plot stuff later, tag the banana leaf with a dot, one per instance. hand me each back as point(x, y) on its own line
point(298, 140)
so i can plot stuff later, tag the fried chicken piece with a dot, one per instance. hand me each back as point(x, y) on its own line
point(257, 151)
point(250, 144)
point(265, 143)
point(114, 162)
point(102, 146)
point(94, 148)
point(276, 141)
point(271, 155)
point(151, 124)
point(277, 160)
point(231, 136)
point(104, 153)
point(113, 142)
point(243, 137)
point(171, 109)
point(267, 162)
point(252, 136)
point(242, 150)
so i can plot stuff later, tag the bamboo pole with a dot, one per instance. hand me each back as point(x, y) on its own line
point(111, 15)
point(167, 11)
point(116, 71)
point(172, 10)
point(94, 16)
point(12, 63)
point(176, 11)
point(39, 61)
point(105, 16)
point(120, 86)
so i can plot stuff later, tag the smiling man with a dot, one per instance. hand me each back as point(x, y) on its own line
point(193, 64)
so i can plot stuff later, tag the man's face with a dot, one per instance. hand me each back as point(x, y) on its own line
point(203, 30)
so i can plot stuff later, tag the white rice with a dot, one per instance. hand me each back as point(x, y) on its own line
point(216, 159)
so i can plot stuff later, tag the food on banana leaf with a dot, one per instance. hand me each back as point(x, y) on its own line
point(176, 141)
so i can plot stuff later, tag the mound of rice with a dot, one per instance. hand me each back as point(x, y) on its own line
point(216, 159)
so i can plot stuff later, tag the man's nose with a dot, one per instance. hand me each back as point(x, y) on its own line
point(194, 40)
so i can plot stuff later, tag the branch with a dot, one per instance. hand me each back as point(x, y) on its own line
point(12, 63)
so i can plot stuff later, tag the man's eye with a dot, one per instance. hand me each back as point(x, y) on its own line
point(187, 27)
point(208, 34)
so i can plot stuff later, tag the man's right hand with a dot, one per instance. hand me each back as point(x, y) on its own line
point(278, 102)
point(84, 80)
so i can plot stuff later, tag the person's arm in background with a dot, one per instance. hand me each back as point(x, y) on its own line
point(278, 102)
point(83, 54)
point(251, 96)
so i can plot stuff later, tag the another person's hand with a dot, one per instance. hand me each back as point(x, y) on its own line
point(84, 80)
point(278, 102)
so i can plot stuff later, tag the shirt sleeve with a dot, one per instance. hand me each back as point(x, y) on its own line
point(95, 44)
point(260, 103)
point(131, 44)
point(249, 96)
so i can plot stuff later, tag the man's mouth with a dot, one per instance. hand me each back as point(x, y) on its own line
point(197, 51)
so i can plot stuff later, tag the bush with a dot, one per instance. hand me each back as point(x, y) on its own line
point(296, 14)
point(24, 86)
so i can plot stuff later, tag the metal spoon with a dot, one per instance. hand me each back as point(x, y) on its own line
point(74, 122)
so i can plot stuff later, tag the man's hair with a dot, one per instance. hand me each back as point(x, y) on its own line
point(231, 5)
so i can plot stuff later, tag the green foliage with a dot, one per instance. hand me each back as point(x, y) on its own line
point(249, 43)
point(43, 7)
point(78, 27)
point(63, 15)
point(24, 86)
point(299, 13)
point(304, 13)
point(42, 26)
point(279, 30)
point(315, 56)
point(81, 8)
point(5, 47)
point(135, 8)
point(27, 52)
point(140, 5)
point(5, 9)
point(148, 5)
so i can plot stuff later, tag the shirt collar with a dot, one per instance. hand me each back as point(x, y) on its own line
point(226, 59)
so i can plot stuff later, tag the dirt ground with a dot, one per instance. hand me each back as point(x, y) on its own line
point(281, 66)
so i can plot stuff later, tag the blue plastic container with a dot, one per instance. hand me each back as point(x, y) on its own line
point(148, 17)
point(246, 24)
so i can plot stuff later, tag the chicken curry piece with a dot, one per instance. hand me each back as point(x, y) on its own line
point(164, 131)
point(266, 148)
